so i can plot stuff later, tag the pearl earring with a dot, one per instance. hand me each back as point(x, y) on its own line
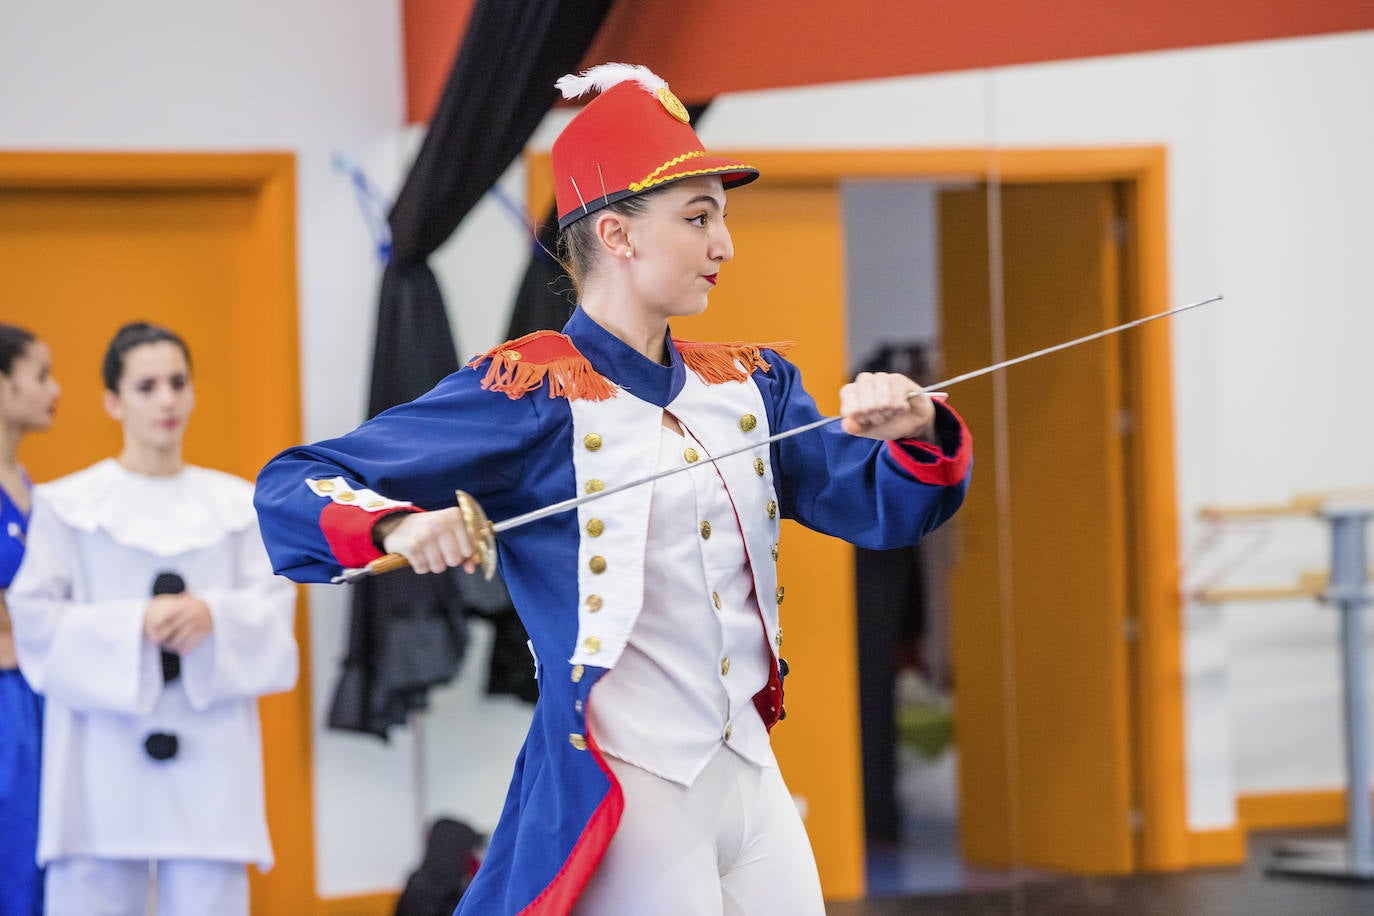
point(629, 252)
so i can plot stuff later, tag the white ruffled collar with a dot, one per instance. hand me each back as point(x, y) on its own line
point(166, 516)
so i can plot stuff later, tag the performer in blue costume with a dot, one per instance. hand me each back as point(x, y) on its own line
point(28, 398)
point(646, 783)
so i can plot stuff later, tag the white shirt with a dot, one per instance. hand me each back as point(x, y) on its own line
point(698, 652)
point(97, 541)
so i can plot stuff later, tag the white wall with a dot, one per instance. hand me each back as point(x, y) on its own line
point(310, 77)
point(892, 265)
point(1269, 202)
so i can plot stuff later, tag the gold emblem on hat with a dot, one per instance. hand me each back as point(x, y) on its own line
point(674, 106)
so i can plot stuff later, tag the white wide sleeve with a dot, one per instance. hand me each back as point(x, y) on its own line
point(87, 655)
point(251, 650)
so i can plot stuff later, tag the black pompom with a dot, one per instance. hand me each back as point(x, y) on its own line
point(160, 745)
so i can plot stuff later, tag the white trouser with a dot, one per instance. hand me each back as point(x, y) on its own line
point(120, 887)
point(731, 845)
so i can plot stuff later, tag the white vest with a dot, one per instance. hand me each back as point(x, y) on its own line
point(617, 440)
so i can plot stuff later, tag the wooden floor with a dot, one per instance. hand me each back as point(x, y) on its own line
point(1241, 891)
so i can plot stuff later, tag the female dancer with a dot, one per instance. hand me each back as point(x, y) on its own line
point(147, 614)
point(646, 784)
point(28, 398)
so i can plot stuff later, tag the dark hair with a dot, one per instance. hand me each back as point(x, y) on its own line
point(13, 342)
point(577, 240)
point(135, 334)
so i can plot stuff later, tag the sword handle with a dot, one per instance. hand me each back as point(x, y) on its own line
point(383, 564)
point(480, 531)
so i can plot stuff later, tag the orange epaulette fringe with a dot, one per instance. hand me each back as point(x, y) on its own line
point(521, 366)
point(734, 361)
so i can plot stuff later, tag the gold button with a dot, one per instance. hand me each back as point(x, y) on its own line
point(716, 598)
point(728, 730)
point(347, 496)
point(577, 673)
point(594, 603)
point(705, 531)
point(778, 639)
point(724, 666)
point(595, 486)
point(376, 504)
point(595, 526)
point(325, 486)
point(592, 645)
point(779, 594)
point(772, 509)
point(597, 564)
point(774, 551)
point(758, 466)
point(748, 422)
point(512, 355)
point(577, 741)
point(577, 706)
point(592, 441)
point(691, 455)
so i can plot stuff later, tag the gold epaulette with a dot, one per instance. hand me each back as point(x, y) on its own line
point(734, 361)
point(521, 366)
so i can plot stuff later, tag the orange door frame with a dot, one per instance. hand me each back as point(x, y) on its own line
point(270, 415)
point(1157, 690)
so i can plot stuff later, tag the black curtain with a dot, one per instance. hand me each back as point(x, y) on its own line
point(407, 631)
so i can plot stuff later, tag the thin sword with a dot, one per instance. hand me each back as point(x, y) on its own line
point(558, 508)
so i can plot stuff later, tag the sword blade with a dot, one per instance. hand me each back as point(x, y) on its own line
point(567, 505)
point(573, 502)
point(986, 370)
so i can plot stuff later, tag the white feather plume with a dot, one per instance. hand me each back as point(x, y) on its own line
point(604, 76)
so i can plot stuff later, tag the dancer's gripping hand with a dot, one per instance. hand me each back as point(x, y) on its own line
point(431, 541)
point(877, 405)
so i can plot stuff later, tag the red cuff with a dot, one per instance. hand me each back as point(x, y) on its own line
point(348, 529)
point(941, 468)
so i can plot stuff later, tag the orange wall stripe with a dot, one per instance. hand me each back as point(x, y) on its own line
point(1283, 810)
point(382, 903)
point(726, 46)
point(1212, 848)
point(431, 31)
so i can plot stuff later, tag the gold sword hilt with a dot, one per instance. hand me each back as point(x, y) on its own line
point(480, 531)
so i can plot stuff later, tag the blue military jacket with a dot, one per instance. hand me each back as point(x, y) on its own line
point(548, 417)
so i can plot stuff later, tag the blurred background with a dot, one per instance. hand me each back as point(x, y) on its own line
point(1045, 687)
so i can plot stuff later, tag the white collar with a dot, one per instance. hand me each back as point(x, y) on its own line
point(166, 516)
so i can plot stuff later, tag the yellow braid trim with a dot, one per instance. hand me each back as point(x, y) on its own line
point(652, 179)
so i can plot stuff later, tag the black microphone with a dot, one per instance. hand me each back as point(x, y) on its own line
point(169, 583)
point(163, 745)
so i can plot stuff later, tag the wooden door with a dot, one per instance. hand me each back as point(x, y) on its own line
point(787, 283)
point(1041, 587)
point(204, 245)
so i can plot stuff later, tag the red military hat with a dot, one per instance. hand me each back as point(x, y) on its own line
point(632, 138)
